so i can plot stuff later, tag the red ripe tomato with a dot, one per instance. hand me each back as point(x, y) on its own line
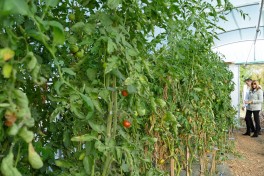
point(124, 93)
point(126, 124)
point(8, 123)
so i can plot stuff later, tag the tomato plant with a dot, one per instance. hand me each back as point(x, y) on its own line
point(63, 64)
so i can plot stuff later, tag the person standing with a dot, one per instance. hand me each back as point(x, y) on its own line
point(253, 106)
point(246, 90)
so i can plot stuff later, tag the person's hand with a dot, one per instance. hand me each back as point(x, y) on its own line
point(248, 102)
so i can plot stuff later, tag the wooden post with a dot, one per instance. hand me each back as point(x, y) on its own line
point(212, 171)
point(187, 160)
point(172, 167)
point(202, 165)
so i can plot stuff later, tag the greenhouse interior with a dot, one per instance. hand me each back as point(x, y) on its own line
point(131, 87)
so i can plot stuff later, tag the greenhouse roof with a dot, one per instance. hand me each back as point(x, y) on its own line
point(242, 42)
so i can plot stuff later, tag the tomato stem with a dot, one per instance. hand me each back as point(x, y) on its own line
point(107, 164)
point(114, 96)
point(110, 112)
point(110, 121)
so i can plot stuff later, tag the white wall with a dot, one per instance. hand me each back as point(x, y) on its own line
point(235, 95)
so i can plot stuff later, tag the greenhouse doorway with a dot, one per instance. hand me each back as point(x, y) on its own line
point(255, 72)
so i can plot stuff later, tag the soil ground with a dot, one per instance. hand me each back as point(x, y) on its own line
point(249, 156)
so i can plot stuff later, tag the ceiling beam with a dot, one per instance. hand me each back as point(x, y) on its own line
point(257, 30)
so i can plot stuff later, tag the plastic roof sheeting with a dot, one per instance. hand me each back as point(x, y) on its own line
point(237, 41)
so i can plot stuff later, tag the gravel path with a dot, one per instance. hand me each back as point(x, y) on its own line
point(250, 159)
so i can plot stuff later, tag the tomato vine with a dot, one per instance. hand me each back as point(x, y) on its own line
point(74, 73)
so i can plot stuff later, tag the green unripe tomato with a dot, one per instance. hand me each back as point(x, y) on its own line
point(72, 17)
point(6, 54)
point(13, 130)
point(79, 54)
point(82, 155)
point(74, 48)
point(104, 65)
point(161, 102)
point(34, 158)
point(141, 111)
point(25, 134)
point(7, 70)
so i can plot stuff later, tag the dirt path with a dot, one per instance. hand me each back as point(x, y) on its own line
point(251, 160)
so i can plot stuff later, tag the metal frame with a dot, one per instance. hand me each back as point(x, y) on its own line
point(234, 43)
point(260, 12)
point(239, 29)
point(245, 5)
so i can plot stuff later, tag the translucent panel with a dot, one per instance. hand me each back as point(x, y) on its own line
point(243, 52)
point(237, 41)
point(235, 20)
point(238, 35)
point(243, 2)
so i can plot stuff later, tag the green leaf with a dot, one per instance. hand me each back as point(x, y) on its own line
point(104, 94)
point(91, 73)
point(152, 103)
point(131, 89)
point(219, 3)
point(89, 104)
point(87, 41)
point(125, 167)
point(89, 28)
point(132, 52)
point(129, 81)
point(57, 86)
point(197, 89)
point(112, 64)
point(100, 146)
point(38, 35)
point(58, 32)
point(118, 154)
point(58, 37)
point(170, 117)
point(161, 102)
point(118, 74)
point(223, 17)
point(88, 163)
point(69, 71)
point(15, 7)
point(150, 139)
point(66, 138)
point(32, 62)
point(112, 4)
point(111, 46)
point(97, 105)
point(96, 127)
point(76, 110)
point(55, 24)
point(78, 26)
point(52, 3)
point(55, 113)
point(150, 172)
